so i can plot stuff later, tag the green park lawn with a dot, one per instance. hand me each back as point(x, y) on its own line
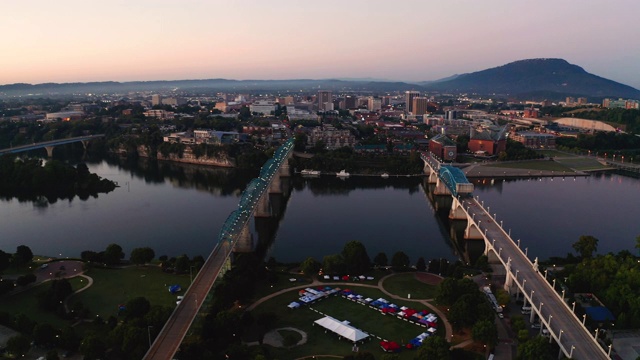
point(581, 163)
point(26, 302)
point(361, 316)
point(112, 287)
point(403, 284)
point(544, 165)
point(280, 280)
point(555, 153)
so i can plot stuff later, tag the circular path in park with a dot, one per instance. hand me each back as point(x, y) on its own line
point(427, 278)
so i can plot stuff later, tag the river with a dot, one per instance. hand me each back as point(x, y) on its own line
point(179, 209)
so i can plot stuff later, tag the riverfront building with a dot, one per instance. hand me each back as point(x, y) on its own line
point(535, 140)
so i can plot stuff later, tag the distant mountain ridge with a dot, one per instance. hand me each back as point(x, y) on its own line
point(524, 79)
point(536, 76)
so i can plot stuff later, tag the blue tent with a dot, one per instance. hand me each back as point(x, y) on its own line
point(174, 288)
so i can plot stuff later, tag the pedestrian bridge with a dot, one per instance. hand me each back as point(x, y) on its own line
point(522, 275)
point(234, 236)
point(49, 145)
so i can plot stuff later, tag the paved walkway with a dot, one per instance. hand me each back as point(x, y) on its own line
point(89, 283)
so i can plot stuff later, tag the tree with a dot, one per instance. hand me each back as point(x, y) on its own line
point(93, 347)
point(22, 256)
point(537, 348)
point(381, 260)
point(355, 257)
point(486, 332)
point(4, 261)
point(434, 348)
point(44, 334)
point(637, 246)
point(586, 246)
point(18, 345)
point(310, 266)
point(141, 256)
point(52, 355)
point(333, 264)
point(421, 264)
point(113, 254)
point(400, 260)
point(182, 264)
point(137, 307)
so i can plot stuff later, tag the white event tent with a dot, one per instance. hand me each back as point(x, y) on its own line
point(342, 328)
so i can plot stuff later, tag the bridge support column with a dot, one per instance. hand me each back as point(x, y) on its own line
point(275, 187)
point(285, 169)
point(441, 188)
point(532, 317)
point(472, 232)
point(508, 281)
point(262, 206)
point(49, 150)
point(245, 240)
point(457, 211)
point(433, 177)
point(84, 144)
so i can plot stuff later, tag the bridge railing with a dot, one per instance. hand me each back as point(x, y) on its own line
point(525, 254)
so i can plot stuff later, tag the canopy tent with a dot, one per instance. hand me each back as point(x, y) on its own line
point(342, 328)
point(599, 313)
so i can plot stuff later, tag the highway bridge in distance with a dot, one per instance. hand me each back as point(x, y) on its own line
point(49, 145)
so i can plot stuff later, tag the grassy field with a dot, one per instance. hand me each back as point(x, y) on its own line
point(26, 302)
point(545, 165)
point(581, 164)
point(406, 283)
point(282, 281)
point(112, 287)
point(360, 316)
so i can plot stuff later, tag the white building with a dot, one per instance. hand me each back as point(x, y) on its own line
point(263, 107)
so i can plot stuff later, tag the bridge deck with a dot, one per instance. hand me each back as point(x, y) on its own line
point(170, 337)
point(530, 282)
point(43, 144)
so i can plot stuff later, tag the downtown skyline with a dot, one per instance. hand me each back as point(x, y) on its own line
point(79, 41)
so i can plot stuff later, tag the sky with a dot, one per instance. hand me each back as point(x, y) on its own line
point(405, 40)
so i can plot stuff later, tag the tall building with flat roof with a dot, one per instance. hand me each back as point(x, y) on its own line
point(408, 100)
point(156, 100)
point(420, 105)
point(324, 97)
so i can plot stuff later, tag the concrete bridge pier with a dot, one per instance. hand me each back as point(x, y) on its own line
point(262, 208)
point(275, 187)
point(245, 240)
point(441, 188)
point(433, 176)
point(457, 211)
point(49, 150)
point(472, 232)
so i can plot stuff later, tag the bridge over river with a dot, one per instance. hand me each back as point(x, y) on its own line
point(522, 274)
point(235, 236)
point(49, 145)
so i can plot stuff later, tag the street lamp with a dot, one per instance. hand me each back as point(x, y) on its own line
point(554, 282)
point(571, 352)
point(545, 273)
point(149, 334)
point(574, 307)
point(584, 319)
point(560, 336)
point(549, 327)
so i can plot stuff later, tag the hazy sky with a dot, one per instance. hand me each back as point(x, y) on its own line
point(91, 40)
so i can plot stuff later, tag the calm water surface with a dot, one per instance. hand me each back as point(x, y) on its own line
point(177, 209)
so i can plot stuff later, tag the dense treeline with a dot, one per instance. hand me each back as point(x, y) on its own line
point(28, 179)
point(517, 151)
point(601, 142)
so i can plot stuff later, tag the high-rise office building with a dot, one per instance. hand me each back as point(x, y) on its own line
point(156, 100)
point(374, 104)
point(408, 100)
point(323, 97)
point(419, 105)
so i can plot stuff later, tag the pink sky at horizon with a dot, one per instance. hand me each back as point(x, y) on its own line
point(410, 40)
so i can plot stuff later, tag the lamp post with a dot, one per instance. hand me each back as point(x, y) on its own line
point(549, 327)
point(574, 307)
point(596, 337)
point(545, 273)
point(149, 334)
point(571, 352)
point(191, 273)
point(560, 336)
point(584, 319)
point(554, 283)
